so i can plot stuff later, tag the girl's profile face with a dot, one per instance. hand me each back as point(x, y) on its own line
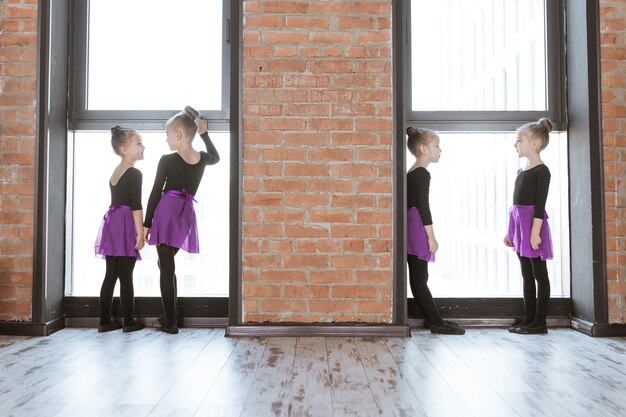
point(134, 148)
point(523, 144)
point(432, 150)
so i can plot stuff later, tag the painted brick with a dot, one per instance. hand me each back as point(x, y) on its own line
point(613, 79)
point(18, 56)
point(329, 94)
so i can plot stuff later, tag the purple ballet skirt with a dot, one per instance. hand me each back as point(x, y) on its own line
point(174, 222)
point(520, 225)
point(416, 237)
point(117, 235)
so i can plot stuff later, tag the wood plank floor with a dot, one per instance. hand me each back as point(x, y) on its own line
point(199, 372)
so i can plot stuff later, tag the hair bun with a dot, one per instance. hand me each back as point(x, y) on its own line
point(546, 124)
point(116, 129)
point(191, 112)
point(410, 130)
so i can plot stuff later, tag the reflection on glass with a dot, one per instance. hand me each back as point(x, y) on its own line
point(204, 274)
point(154, 54)
point(471, 192)
point(481, 55)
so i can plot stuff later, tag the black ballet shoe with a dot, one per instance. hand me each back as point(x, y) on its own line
point(518, 325)
point(531, 330)
point(427, 323)
point(162, 320)
point(170, 330)
point(446, 328)
point(108, 327)
point(133, 327)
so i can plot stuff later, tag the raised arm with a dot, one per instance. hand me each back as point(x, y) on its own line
point(213, 156)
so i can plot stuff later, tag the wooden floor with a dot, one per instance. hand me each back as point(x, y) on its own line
point(199, 372)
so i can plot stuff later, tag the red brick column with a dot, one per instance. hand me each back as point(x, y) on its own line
point(613, 66)
point(317, 112)
point(18, 52)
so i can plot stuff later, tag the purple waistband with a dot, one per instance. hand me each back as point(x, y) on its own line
point(181, 194)
point(112, 208)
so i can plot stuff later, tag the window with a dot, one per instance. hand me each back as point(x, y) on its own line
point(476, 71)
point(136, 64)
point(488, 65)
point(91, 200)
point(470, 203)
point(143, 60)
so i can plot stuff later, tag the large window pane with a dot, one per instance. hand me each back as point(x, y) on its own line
point(471, 193)
point(480, 55)
point(154, 54)
point(203, 274)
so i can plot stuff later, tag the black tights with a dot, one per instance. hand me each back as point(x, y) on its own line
point(118, 267)
point(535, 298)
point(169, 293)
point(418, 280)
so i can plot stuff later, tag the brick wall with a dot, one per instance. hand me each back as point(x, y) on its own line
point(613, 66)
point(317, 112)
point(317, 159)
point(18, 42)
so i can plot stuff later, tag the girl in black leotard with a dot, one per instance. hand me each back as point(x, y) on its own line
point(529, 233)
point(421, 242)
point(121, 234)
point(170, 222)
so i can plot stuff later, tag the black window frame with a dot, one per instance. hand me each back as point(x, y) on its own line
point(81, 118)
point(193, 310)
point(490, 309)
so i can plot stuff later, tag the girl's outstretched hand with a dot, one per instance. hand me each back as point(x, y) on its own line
point(507, 241)
point(146, 234)
point(203, 125)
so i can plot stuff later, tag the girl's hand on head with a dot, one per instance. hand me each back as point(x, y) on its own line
point(140, 243)
point(535, 241)
point(203, 125)
point(507, 241)
point(433, 246)
point(146, 234)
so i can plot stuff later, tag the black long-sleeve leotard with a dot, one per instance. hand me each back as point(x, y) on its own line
point(531, 188)
point(173, 173)
point(417, 189)
point(127, 191)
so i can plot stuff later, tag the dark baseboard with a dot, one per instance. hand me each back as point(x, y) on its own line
point(598, 330)
point(504, 308)
point(86, 307)
point(15, 328)
point(320, 330)
point(490, 322)
point(196, 322)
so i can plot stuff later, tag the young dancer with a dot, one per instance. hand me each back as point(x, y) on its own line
point(529, 233)
point(421, 242)
point(170, 222)
point(121, 234)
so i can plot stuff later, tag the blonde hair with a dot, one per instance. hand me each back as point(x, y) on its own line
point(539, 130)
point(418, 136)
point(185, 122)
